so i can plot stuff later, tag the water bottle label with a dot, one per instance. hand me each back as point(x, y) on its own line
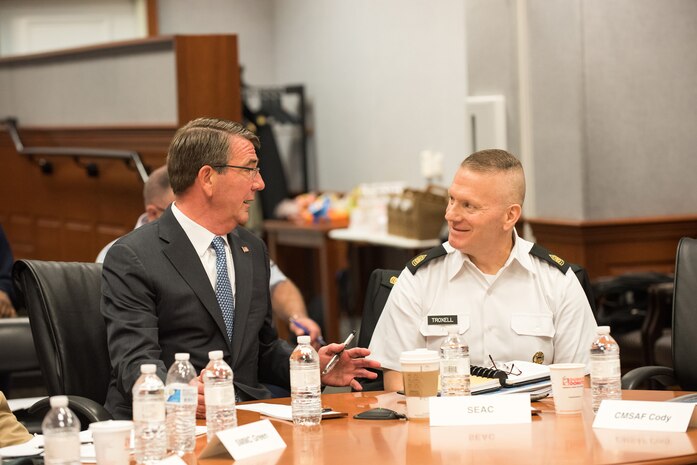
point(148, 410)
point(181, 395)
point(305, 378)
point(62, 447)
point(219, 396)
point(454, 367)
point(605, 368)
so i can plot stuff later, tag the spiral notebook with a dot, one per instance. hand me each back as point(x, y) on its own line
point(522, 373)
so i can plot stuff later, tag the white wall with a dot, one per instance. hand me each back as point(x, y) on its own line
point(641, 107)
point(613, 98)
point(386, 78)
point(28, 26)
point(251, 20)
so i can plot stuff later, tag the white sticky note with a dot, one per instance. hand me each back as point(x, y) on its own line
point(480, 410)
point(643, 415)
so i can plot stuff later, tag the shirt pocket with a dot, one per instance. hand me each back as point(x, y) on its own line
point(426, 330)
point(532, 324)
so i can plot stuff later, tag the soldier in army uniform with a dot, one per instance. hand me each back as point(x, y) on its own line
point(508, 298)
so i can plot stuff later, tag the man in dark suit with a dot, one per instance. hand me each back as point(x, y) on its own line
point(159, 282)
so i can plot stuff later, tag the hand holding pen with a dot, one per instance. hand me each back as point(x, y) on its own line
point(335, 359)
point(302, 326)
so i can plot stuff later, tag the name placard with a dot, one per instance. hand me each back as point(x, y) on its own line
point(245, 441)
point(480, 410)
point(172, 460)
point(643, 415)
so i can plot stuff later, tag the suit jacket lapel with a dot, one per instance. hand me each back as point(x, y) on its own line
point(242, 260)
point(181, 253)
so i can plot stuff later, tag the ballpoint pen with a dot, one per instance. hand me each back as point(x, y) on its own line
point(336, 356)
point(295, 322)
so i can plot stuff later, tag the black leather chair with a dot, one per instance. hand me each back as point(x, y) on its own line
point(683, 374)
point(585, 280)
point(380, 284)
point(62, 300)
point(17, 351)
point(632, 305)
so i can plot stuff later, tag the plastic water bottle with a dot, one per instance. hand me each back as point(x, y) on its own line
point(305, 384)
point(149, 416)
point(454, 366)
point(606, 382)
point(181, 391)
point(219, 393)
point(61, 430)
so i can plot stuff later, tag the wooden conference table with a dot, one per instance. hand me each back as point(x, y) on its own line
point(549, 439)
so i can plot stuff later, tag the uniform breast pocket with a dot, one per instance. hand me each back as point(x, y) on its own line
point(533, 324)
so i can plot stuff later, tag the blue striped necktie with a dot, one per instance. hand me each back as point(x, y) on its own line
point(223, 290)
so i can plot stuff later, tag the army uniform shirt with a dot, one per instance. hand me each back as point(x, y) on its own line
point(533, 309)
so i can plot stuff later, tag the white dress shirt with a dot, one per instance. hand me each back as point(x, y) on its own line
point(201, 239)
point(529, 306)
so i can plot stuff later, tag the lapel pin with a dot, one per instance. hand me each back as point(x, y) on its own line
point(245, 249)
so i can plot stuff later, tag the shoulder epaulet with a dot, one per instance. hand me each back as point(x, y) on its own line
point(544, 254)
point(425, 257)
point(389, 279)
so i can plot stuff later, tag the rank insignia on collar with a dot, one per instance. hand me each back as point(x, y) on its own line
point(393, 280)
point(539, 357)
point(245, 249)
point(558, 260)
point(418, 259)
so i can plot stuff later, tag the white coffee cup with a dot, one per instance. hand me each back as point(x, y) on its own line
point(420, 371)
point(112, 441)
point(567, 387)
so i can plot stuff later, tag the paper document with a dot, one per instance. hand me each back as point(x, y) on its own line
point(23, 403)
point(282, 412)
point(529, 372)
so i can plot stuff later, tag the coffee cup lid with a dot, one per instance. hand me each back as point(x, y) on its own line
point(419, 356)
point(111, 426)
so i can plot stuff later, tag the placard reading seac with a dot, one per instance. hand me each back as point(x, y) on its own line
point(480, 410)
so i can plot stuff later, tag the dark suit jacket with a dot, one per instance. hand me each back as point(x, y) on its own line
point(157, 301)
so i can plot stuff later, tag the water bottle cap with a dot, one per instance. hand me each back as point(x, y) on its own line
point(603, 330)
point(181, 356)
point(59, 401)
point(148, 368)
point(215, 354)
point(304, 339)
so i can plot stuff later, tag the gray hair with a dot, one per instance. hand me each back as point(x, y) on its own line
point(201, 142)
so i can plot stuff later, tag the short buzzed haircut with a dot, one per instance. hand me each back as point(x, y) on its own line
point(498, 161)
point(201, 142)
point(156, 186)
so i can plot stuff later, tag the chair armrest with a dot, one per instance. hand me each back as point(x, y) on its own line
point(87, 410)
point(639, 376)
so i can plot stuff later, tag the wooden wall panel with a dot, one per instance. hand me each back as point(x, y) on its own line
point(208, 77)
point(68, 215)
point(613, 247)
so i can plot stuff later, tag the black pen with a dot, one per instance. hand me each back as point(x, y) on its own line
point(336, 356)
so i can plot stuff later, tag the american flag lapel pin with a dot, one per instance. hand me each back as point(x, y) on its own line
point(245, 249)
